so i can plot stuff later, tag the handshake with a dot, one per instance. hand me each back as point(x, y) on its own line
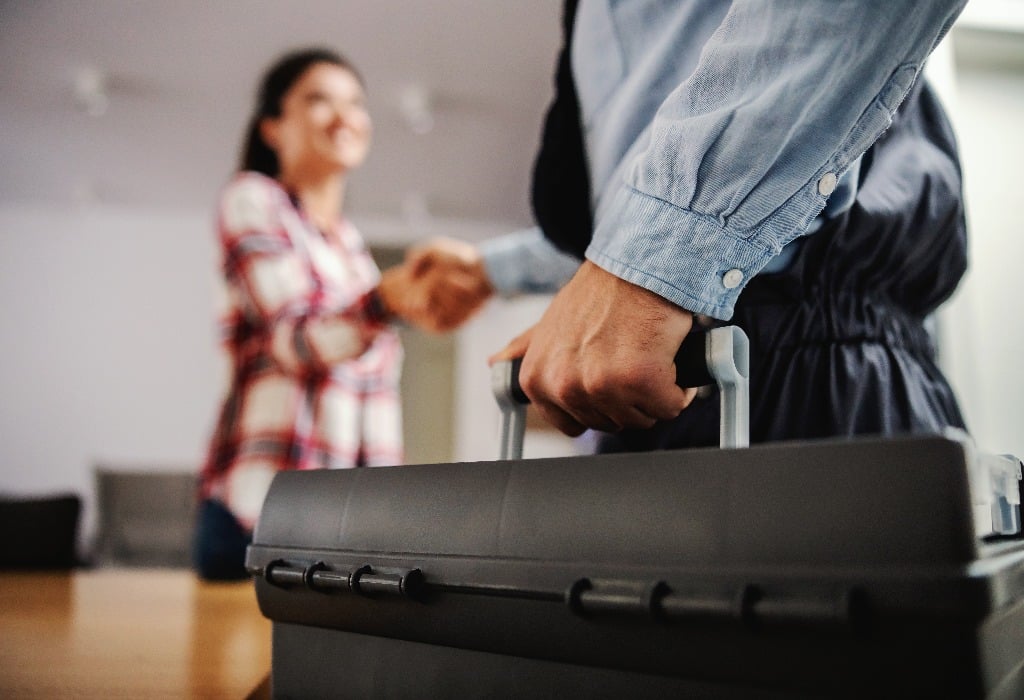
point(438, 286)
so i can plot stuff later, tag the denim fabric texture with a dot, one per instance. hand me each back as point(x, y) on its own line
point(717, 133)
point(525, 262)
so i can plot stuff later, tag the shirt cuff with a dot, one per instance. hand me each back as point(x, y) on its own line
point(689, 259)
point(524, 262)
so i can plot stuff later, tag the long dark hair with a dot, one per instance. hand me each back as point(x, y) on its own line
point(276, 82)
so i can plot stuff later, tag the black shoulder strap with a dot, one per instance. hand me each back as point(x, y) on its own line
point(561, 183)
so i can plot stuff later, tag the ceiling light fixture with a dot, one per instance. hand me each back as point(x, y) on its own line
point(416, 106)
point(90, 90)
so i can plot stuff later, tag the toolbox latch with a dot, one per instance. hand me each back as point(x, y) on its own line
point(283, 574)
point(750, 606)
point(366, 581)
point(320, 577)
point(599, 596)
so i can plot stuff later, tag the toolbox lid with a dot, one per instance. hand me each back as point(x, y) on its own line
point(864, 502)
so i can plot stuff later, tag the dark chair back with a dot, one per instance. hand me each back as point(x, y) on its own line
point(39, 532)
point(146, 518)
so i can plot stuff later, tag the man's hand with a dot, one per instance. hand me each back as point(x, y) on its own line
point(602, 355)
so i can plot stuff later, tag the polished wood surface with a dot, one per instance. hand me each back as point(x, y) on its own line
point(130, 633)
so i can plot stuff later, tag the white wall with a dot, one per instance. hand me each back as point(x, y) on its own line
point(108, 344)
point(982, 328)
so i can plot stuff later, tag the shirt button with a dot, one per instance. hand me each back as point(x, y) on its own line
point(732, 278)
point(827, 184)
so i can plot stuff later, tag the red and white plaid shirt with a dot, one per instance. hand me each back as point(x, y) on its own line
point(314, 365)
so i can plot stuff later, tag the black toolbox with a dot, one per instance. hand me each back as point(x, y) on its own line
point(854, 569)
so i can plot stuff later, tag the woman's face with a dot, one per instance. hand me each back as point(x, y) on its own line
point(324, 125)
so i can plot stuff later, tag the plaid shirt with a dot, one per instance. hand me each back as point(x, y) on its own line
point(314, 367)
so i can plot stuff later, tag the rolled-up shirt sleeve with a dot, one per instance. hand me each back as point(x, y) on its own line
point(743, 155)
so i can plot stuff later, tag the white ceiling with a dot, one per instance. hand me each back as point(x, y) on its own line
point(181, 75)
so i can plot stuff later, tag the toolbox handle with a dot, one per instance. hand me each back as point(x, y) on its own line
point(719, 356)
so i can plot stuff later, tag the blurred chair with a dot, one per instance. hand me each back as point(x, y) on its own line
point(39, 532)
point(145, 518)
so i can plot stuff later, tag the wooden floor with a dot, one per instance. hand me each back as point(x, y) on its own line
point(130, 633)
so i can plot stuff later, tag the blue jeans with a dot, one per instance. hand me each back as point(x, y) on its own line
point(220, 542)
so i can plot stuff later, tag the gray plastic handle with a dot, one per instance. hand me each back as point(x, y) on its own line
point(727, 352)
point(510, 397)
point(721, 355)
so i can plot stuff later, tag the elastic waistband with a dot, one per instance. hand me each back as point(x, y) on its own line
point(774, 327)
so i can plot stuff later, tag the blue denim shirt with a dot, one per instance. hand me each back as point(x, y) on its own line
point(718, 133)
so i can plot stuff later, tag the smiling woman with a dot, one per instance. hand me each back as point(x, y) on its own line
point(315, 361)
point(330, 125)
point(311, 117)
